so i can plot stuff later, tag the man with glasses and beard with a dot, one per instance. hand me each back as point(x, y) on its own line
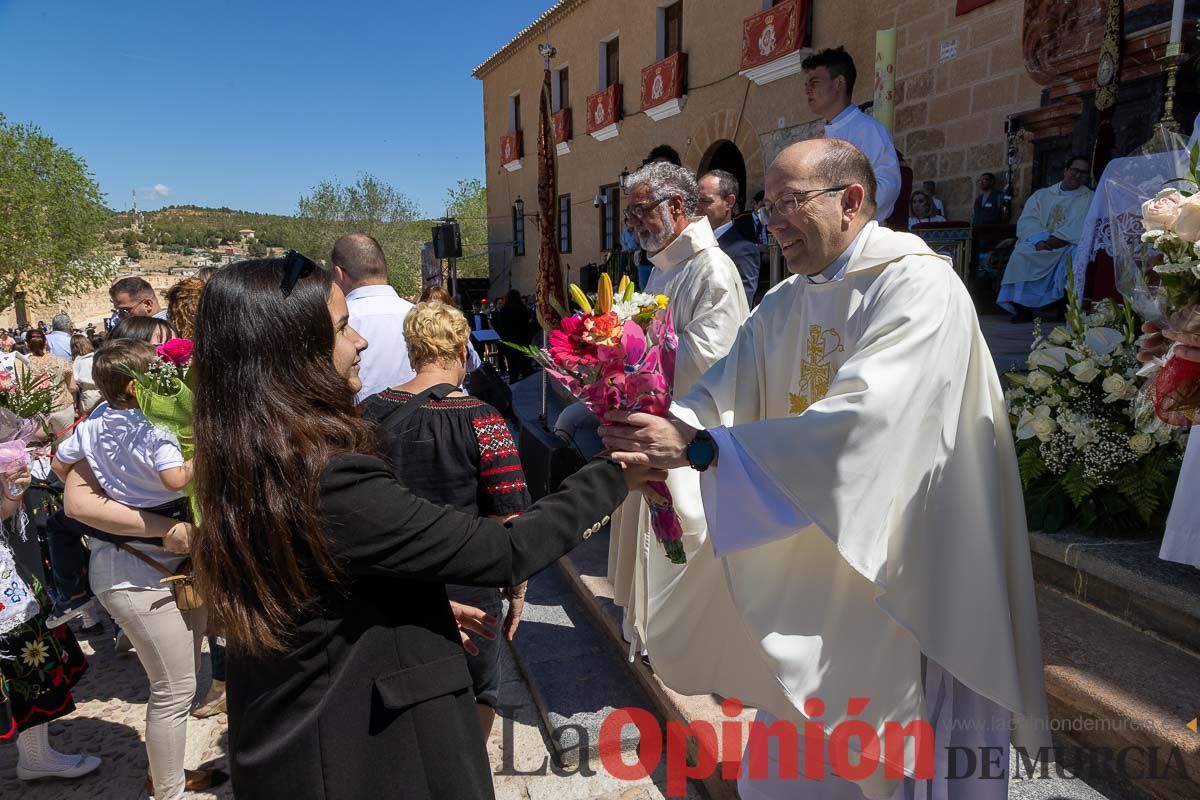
point(707, 306)
point(135, 297)
point(864, 507)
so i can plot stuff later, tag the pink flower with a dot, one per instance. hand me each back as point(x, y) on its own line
point(176, 351)
point(1161, 212)
point(7, 382)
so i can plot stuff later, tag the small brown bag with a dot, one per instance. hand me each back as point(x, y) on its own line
point(182, 583)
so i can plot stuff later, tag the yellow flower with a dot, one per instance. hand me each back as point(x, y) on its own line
point(661, 300)
point(34, 654)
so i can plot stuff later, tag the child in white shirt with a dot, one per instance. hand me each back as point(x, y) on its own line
point(136, 464)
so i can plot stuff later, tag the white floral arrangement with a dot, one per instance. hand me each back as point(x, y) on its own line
point(1090, 455)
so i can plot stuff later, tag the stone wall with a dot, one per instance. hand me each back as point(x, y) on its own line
point(950, 111)
point(94, 307)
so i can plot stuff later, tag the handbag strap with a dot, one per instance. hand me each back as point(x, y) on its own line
point(145, 558)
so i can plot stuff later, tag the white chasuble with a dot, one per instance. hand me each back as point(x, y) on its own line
point(707, 307)
point(1181, 541)
point(1048, 212)
point(871, 405)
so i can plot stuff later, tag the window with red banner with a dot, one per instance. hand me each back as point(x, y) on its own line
point(965, 6)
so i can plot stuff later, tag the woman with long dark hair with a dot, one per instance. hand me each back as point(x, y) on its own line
point(346, 676)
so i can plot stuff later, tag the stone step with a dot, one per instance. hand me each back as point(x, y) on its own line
point(574, 677)
point(1123, 578)
point(1110, 685)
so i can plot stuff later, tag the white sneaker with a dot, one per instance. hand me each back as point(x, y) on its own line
point(82, 766)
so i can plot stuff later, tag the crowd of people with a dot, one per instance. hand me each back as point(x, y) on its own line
point(311, 597)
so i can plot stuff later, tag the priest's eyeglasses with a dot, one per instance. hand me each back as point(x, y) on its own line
point(789, 203)
point(642, 209)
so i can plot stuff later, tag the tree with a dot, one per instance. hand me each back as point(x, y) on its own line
point(467, 202)
point(132, 252)
point(52, 219)
point(367, 206)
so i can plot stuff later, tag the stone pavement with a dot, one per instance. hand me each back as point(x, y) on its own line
point(109, 721)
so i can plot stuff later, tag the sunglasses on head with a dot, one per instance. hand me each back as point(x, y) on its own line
point(296, 266)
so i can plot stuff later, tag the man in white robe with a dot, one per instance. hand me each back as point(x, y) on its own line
point(829, 87)
point(862, 497)
point(707, 306)
point(1047, 231)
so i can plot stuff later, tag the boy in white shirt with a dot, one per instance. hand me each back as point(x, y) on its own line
point(136, 464)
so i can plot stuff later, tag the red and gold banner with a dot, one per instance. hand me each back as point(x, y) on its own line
point(603, 108)
point(510, 147)
point(773, 33)
point(562, 125)
point(663, 81)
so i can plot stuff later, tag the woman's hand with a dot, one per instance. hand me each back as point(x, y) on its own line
point(515, 596)
point(638, 475)
point(1187, 344)
point(1151, 344)
point(474, 620)
point(18, 481)
point(179, 538)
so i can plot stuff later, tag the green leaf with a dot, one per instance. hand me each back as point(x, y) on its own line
point(1076, 485)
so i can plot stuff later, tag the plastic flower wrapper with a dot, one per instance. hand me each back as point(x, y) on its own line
point(16, 436)
point(619, 355)
point(164, 396)
point(1157, 264)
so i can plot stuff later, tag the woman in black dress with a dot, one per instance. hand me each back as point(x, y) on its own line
point(346, 672)
point(454, 450)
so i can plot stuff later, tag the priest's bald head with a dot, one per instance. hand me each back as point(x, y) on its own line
point(820, 194)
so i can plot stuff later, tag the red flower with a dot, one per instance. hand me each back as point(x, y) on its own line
point(603, 329)
point(176, 351)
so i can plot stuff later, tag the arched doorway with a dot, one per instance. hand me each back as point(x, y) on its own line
point(725, 155)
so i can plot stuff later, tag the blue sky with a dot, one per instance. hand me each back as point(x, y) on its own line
point(249, 104)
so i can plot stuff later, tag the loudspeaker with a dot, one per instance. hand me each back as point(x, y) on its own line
point(447, 243)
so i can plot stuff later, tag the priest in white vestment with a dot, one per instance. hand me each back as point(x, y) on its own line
point(862, 497)
point(1047, 232)
point(829, 81)
point(708, 305)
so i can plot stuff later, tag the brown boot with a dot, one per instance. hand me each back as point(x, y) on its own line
point(195, 780)
point(214, 702)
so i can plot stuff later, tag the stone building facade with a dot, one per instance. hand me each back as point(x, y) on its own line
point(968, 73)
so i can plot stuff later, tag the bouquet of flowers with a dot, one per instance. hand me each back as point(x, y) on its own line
point(164, 395)
point(619, 355)
point(17, 434)
point(1088, 452)
point(25, 396)
point(1171, 221)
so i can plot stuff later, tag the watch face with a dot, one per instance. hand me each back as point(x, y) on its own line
point(1104, 74)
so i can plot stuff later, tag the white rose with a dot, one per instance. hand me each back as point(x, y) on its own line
point(1060, 336)
point(1085, 371)
point(1141, 443)
point(1116, 387)
point(1187, 224)
point(1052, 399)
point(1162, 211)
point(1036, 423)
point(1039, 381)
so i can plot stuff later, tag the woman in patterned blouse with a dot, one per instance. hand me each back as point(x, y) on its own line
point(456, 451)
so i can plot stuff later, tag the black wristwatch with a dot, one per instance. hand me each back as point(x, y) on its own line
point(702, 451)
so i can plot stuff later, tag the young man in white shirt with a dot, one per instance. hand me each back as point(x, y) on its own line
point(376, 312)
point(829, 85)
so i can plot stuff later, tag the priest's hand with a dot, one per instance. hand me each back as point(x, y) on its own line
point(1188, 344)
point(1151, 344)
point(646, 439)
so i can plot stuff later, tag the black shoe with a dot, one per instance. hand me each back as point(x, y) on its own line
point(66, 610)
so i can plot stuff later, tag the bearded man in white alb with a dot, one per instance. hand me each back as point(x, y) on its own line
point(707, 306)
point(1047, 232)
point(861, 491)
